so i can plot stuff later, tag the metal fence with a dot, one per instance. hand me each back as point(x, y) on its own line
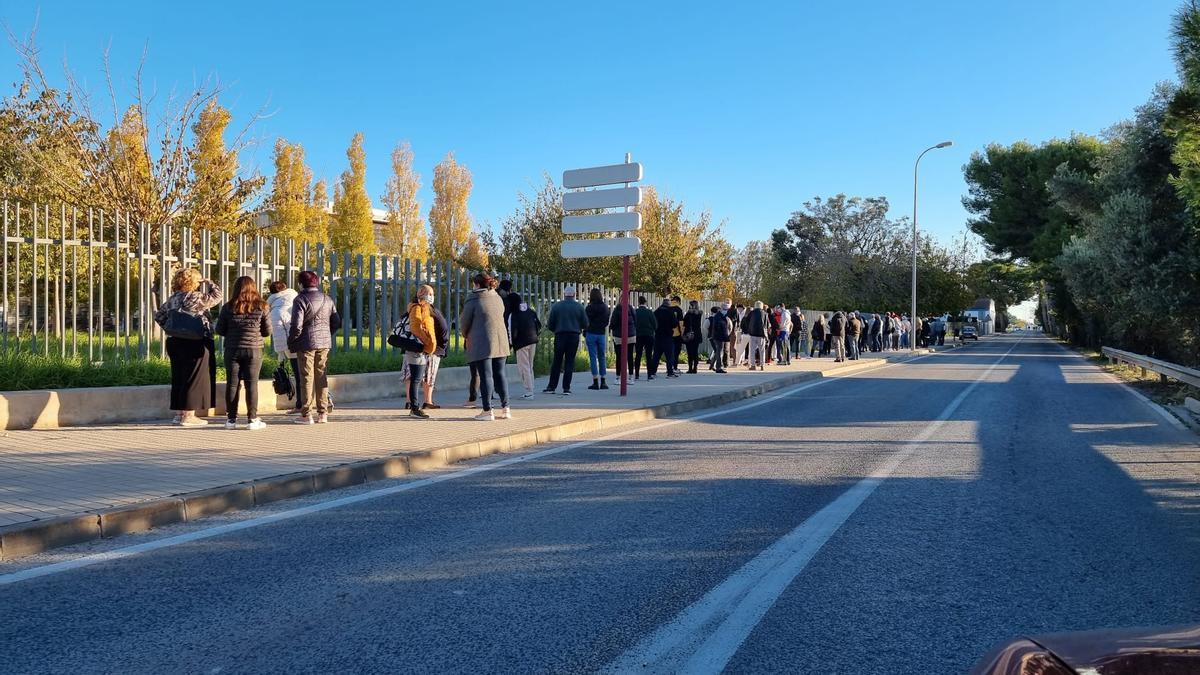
point(85, 283)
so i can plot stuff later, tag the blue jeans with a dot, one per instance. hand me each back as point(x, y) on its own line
point(596, 344)
point(489, 371)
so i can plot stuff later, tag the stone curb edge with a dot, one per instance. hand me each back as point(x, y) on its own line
point(25, 539)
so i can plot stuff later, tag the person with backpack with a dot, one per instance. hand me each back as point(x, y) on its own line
point(837, 336)
point(567, 321)
point(818, 337)
point(190, 347)
point(692, 335)
point(647, 328)
point(314, 321)
point(755, 326)
point(279, 306)
point(664, 339)
point(596, 337)
point(720, 328)
point(614, 327)
point(417, 336)
point(243, 322)
point(523, 329)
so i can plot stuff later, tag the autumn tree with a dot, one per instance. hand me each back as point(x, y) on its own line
point(404, 233)
point(319, 220)
point(288, 202)
point(353, 226)
point(449, 220)
point(680, 253)
point(218, 195)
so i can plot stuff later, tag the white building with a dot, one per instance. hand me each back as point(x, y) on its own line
point(984, 312)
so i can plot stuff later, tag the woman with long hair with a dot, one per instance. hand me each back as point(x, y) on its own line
point(595, 336)
point(482, 323)
point(193, 366)
point(244, 321)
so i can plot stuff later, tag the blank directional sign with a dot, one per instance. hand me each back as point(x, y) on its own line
point(604, 222)
point(602, 199)
point(600, 248)
point(603, 175)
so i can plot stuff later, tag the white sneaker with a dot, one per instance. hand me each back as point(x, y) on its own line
point(505, 414)
point(485, 416)
point(323, 418)
point(527, 396)
point(470, 404)
point(230, 424)
point(256, 424)
point(194, 422)
point(303, 419)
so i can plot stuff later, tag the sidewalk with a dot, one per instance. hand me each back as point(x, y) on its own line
point(53, 473)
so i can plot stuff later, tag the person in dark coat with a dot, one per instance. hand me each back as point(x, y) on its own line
point(837, 336)
point(524, 327)
point(664, 339)
point(596, 337)
point(677, 335)
point(719, 332)
point(614, 327)
point(818, 337)
point(314, 321)
point(193, 363)
point(693, 333)
point(567, 321)
point(647, 329)
point(853, 332)
point(244, 322)
point(486, 335)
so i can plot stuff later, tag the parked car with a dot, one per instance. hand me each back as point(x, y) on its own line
point(968, 333)
point(1174, 649)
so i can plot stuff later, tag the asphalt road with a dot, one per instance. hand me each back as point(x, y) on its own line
point(901, 520)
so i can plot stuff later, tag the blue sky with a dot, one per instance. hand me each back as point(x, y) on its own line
point(744, 109)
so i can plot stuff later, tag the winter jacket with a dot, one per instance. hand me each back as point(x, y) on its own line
point(243, 331)
point(420, 323)
point(797, 322)
point(597, 317)
point(837, 325)
point(441, 331)
point(876, 326)
point(785, 320)
point(735, 320)
point(647, 324)
point(314, 321)
point(482, 324)
point(853, 326)
point(755, 323)
point(692, 324)
point(614, 323)
point(196, 302)
point(524, 326)
point(889, 325)
point(512, 300)
point(719, 327)
point(567, 316)
point(819, 328)
point(280, 305)
point(678, 312)
point(664, 318)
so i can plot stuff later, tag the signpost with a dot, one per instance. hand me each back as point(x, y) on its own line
point(606, 223)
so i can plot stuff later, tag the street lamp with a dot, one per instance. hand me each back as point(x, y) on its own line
point(912, 317)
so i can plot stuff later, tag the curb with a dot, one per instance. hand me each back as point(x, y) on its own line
point(25, 539)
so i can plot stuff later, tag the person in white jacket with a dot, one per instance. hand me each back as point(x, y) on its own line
point(280, 304)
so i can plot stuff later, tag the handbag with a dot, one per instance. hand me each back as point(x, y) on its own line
point(403, 338)
point(185, 326)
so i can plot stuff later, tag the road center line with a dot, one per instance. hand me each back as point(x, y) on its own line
point(210, 532)
point(703, 637)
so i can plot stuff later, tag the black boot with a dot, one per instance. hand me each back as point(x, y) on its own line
point(595, 385)
point(603, 384)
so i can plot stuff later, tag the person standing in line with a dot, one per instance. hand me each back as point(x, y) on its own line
point(647, 328)
point(755, 325)
point(677, 334)
point(614, 327)
point(567, 321)
point(523, 329)
point(510, 299)
point(818, 337)
point(441, 334)
point(279, 304)
point(693, 330)
point(314, 321)
point(719, 332)
point(853, 331)
point(193, 360)
point(596, 338)
point(837, 336)
point(800, 330)
point(416, 361)
point(734, 314)
point(664, 340)
point(243, 322)
point(482, 322)
point(708, 331)
point(864, 334)
point(772, 332)
point(783, 344)
point(742, 348)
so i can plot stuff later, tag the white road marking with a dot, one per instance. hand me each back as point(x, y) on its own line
point(703, 637)
point(208, 533)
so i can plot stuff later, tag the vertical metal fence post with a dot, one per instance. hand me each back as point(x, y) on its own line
point(372, 325)
point(346, 319)
point(4, 298)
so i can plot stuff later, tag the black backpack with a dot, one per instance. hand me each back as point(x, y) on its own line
point(403, 338)
point(283, 383)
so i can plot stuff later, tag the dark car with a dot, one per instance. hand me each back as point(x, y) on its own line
point(968, 333)
point(1162, 651)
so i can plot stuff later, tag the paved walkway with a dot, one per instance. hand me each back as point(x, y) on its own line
point(56, 472)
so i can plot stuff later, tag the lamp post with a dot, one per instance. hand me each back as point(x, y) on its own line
point(912, 317)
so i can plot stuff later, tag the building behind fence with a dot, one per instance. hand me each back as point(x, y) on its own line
point(86, 283)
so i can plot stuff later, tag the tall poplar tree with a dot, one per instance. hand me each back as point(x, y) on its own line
point(289, 200)
point(353, 229)
point(216, 197)
point(404, 233)
point(319, 221)
point(449, 219)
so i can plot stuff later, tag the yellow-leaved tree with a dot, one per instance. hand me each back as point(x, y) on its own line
point(680, 254)
point(130, 175)
point(404, 233)
point(449, 218)
point(319, 220)
point(289, 201)
point(353, 229)
point(218, 195)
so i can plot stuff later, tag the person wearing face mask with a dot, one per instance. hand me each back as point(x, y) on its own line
point(420, 324)
point(524, 326)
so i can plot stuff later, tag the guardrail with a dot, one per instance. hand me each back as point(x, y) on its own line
point(1164, 369)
